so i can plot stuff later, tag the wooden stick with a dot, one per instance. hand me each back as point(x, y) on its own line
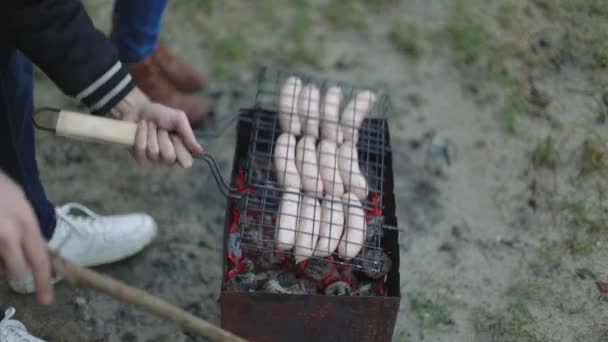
point(81, 277)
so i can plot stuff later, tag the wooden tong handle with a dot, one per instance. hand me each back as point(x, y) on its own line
point(89, 127)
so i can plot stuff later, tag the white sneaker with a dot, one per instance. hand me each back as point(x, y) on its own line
point(91, 240)
point(14, 331)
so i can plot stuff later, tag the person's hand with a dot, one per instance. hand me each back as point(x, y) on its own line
point(22, 247)
point(164, 135)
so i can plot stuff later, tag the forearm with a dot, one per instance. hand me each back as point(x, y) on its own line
point(59, 37)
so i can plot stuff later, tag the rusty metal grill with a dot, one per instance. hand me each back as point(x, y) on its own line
point(259, 208)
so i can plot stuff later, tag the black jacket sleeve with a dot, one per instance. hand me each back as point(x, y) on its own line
point(59, 37)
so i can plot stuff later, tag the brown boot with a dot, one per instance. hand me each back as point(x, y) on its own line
point(184, 76)
point(149, 78)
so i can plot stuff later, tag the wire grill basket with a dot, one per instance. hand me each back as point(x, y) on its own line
point(352, 239)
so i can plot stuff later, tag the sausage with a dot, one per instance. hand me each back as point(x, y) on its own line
point(306, 164)
point(354, 231)
point(348, 164)
point(308, 109)
point(332, 225)
point(288, 102)
point(330, 115)
point(355, 112)
point(284, 161)
point(286, 225)
point(308, 228)
point(328, 168)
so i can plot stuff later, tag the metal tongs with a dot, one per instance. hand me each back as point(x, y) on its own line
point(101, 129)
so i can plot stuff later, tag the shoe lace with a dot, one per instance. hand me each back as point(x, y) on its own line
point(12, 328)
point(81, 224)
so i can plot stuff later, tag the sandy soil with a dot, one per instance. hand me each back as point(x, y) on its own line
point(495, 244)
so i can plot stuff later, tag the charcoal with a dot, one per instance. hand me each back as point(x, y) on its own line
point(268, 261)
point(308, 286)
point(287, 280)
point(320, 269)
point(243, 282)
point(262, 277)
point(338, 288)
point(367, 290)
point(375, 263)
point(248, 266)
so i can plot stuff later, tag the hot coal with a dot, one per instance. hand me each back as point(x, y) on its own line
point(338, 288)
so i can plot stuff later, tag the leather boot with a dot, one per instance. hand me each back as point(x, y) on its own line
point(150, 79)
point(184, 76)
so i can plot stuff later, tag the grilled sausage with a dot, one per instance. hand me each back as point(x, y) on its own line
point(354, 231)
point(308, 228)
point(306, 164)
point(284, 161)
point(288, 106)
point(348, 164)
point(355, 112)
point(328, 168)
point(308, 109)
point(332, 226)
point(330, 115)
point(287, 221)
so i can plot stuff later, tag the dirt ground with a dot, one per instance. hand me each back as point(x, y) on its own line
point(505, 242)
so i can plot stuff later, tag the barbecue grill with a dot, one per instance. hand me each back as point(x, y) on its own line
point(318, 307)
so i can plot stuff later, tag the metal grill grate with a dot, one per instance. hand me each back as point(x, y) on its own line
point(260, 209)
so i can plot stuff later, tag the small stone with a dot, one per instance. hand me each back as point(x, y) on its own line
point(338, 288)
point(80, 301)
point(446, 247)
point(456, 232)
point(539, 98)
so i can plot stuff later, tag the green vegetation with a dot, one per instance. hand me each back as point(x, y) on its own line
point(544, 154)
point(468, 37)
point(228, 49)
point(590, 7)
point(405, 37)
point(343, 13)
point(513, 323)
point(529, 291)
point(581, 248)
point(514, 105)
point(593, 157)
point(431, 314)
point(582, 214)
